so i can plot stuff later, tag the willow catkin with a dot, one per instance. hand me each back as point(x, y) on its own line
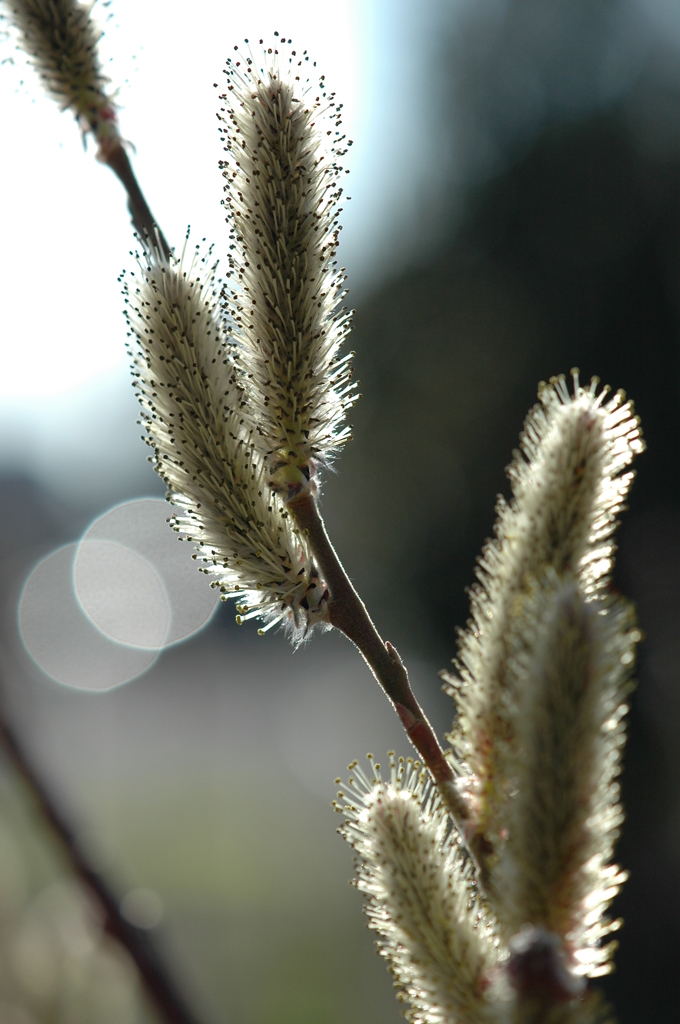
point(193, 410)
point(572, 664)
point(283, 293)
point(437, 936)
point(569, 481)
point(61, 39)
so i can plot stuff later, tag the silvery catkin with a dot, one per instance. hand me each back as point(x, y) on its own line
point(283, 292)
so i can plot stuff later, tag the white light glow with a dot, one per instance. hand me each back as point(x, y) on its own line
point(62, 641)
point(160, 594)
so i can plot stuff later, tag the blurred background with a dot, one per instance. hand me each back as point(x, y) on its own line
point(515, 212)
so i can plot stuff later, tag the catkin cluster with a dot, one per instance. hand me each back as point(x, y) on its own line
point(569, 481)
point(243, 387)
point(544, 670)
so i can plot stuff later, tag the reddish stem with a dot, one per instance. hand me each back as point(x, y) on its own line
point(348, 613)
point(142, 219)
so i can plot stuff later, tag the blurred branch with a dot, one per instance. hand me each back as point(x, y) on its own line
point(159, 986)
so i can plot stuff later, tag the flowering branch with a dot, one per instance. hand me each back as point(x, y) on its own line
point(545, 668)
point(243, 405)
point(282, 296)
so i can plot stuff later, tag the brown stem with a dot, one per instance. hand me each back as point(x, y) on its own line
point(143, 221)
point(348, 613)
point(159, 985)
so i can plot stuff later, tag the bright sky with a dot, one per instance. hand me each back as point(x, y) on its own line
point(66, 233)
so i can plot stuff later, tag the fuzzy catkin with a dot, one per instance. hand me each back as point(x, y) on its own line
point(283, 289)
point(192, 408)
point(568, 485)
point(436, 935)
point(61, 39)
point(572, 668)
